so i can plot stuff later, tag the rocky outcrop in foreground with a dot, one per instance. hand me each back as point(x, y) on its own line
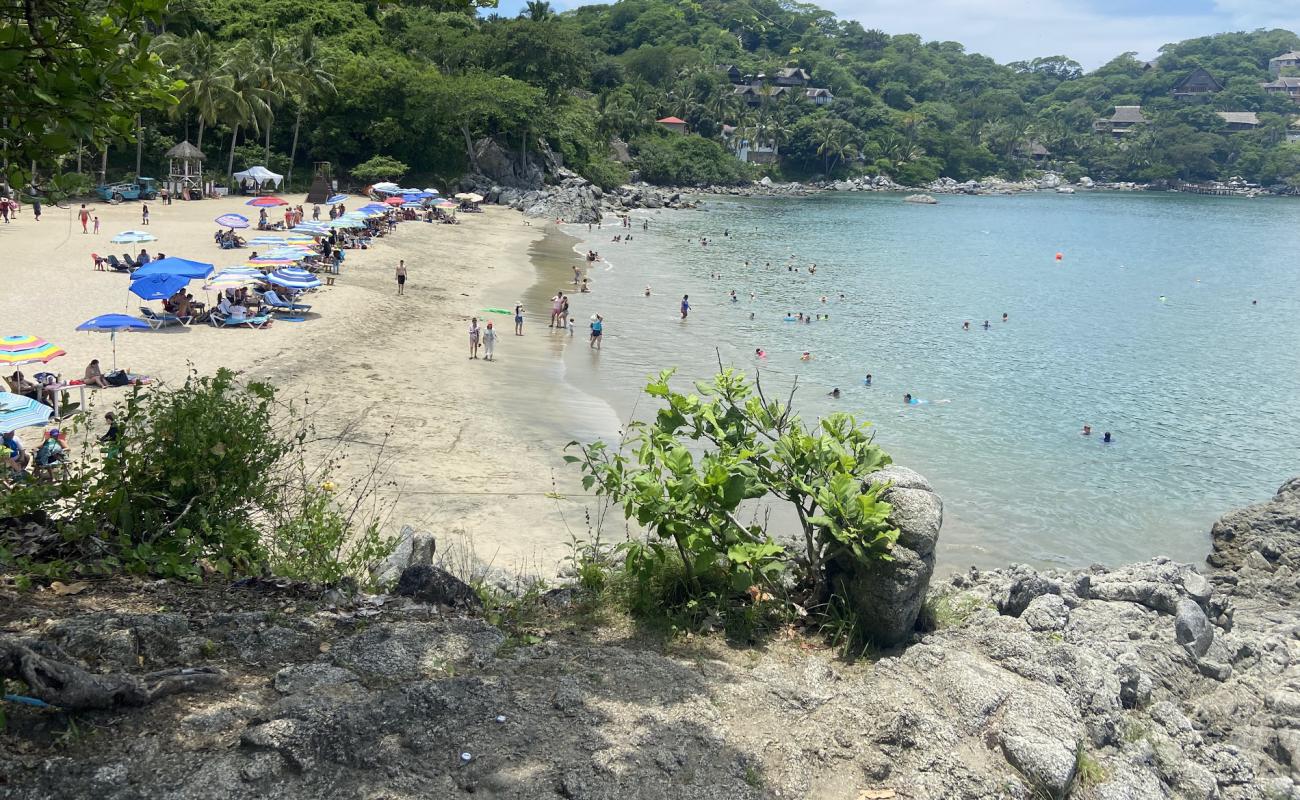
point(1151, 680)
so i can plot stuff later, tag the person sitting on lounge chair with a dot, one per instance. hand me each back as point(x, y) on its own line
point(18, 384)
point(95, 376)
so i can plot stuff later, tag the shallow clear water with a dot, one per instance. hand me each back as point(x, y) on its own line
point(1201, 390)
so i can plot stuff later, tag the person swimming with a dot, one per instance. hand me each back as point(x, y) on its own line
point(1004, 316)
point(807, 356)
point(835, 393)
point(758, 351)
point(1087, 430)
point(986, 324)
point(1105, 438)
point(647, 290)
point(965, 325)
point(907, 398)
point(867, 380)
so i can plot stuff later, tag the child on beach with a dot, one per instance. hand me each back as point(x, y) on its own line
point(144, 214)
point(473, 337)
point(571, 326)
point(96, 223)
point(686, 305)
point(489, 342)
point(519, 319)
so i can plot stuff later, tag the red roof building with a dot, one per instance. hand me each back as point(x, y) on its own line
point(673, 124)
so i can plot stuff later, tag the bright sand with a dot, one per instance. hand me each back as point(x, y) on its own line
point(388, 375)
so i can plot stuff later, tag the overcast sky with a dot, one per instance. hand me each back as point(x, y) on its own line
point(1090, 31)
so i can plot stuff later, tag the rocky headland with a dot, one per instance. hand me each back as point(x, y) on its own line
point(1150, 680)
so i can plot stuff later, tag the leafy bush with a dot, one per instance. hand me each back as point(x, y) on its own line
point(677, 160)
point(379, 168)
point(212, 472)
point(698, 559)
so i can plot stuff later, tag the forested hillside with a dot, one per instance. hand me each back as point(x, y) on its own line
point(420, 80)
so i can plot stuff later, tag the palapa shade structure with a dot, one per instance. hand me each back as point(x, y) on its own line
point(185, 169)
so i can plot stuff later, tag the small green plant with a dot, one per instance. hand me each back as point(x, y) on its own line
point(700, 562)
point(1087, 770)
point(754, 778)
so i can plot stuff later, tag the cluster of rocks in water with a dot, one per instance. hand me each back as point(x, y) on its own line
point(1152, 680)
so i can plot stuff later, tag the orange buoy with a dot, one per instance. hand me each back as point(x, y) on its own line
point(1059, 256)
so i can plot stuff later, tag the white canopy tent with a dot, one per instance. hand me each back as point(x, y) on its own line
point(260, 176)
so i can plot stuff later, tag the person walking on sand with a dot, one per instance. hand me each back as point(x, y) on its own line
point(36, 208)
point(84, 216)
point(519, 319)
point(144, 214)
point(96, 224)
point(473, 337)
point(686, 305)
point(401, 277)
point(489, 342)
point(597, 331)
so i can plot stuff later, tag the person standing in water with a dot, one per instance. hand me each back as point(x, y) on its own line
point(473, 337)
point(519, 319)
point(597, 331)
point(489, 342)
point(1004, 316)
point(867, 380)
point(686, 305)
point(401, 277)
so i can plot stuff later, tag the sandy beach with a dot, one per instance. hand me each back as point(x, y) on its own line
point(456, 440)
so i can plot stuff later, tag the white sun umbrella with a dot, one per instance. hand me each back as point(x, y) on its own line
point(133, 237)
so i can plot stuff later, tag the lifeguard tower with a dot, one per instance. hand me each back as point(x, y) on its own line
point(185, 171)
point(321, 185)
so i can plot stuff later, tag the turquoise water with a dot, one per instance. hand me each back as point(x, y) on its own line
point(1201, 390)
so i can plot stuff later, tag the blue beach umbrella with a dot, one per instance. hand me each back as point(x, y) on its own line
point(111, 324)
point(293, 278)
point(17, 412)
point(172, 265)
point(158, 286)
point(232, 221)
point(411, 205)
point(336, 199)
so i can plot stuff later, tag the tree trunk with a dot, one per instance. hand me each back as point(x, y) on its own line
point(469, 147)
point(139, 144)
point(202, 125)
point(293, 149)
point(266, 158)
point(103, 166)
point(79, 145)
point(230, 166)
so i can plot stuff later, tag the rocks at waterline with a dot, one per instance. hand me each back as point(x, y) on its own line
point(923, 199)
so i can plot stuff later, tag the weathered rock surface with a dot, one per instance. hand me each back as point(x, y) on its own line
point(1150, 681)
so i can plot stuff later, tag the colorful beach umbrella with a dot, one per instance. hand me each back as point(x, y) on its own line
point(447, 204)
point(232, 221)
point(394, 201)
point(23, 349)
point(233, 280)
point(263, 263)
point(265, 240)
point(18, 412)
point(336, 198)
point(133, 237)
point(173, 265)
point(292, 278)
point(266, 202)
point(112, 324)
point(412, 205)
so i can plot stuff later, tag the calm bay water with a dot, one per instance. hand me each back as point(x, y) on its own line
point(1201, 390)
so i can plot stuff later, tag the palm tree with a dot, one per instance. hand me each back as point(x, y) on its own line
point(537, 11)
point(207, 74)
point(311, 81)
point(248, 105)
point(272, 73)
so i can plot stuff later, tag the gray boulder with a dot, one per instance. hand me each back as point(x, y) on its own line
point(1192, 628)
point(888, 595)
point(435, 585)
point(1024, 589)
point(1046, 612)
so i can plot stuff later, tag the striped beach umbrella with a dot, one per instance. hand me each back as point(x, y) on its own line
point(17, 412)
point(266, 202)
point(412, 205)
point(292, 278)
point(263, 263)
point(133, 237)
point(265, 240)
point(233, 280)
point(335, 199)
point(232, 221)
point(23, 349)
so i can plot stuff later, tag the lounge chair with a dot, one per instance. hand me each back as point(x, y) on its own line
point(131, 263)
point(157, 319)
point(274, 301)
point(117, 266)
point(219, 320)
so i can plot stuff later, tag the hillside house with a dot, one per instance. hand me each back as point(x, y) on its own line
point(820, 97)
point(1239, 120)
point(792, 76)
point(1287, 85)
point(674, 124)
point(1122, 122)
point(1036, 151)
point(1197, 85)
point(733, 73)
point(1287, 62)
point(1293, 130)
point(739, 143)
